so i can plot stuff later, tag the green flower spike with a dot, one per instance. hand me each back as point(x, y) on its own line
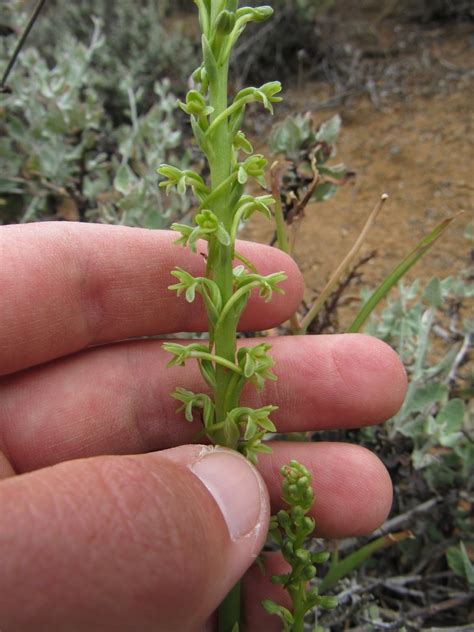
point(289, 529)
point(222, 204)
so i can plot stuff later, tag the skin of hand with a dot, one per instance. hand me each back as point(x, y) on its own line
point(110, 518)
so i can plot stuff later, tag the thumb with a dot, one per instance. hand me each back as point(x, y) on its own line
point(149, 542)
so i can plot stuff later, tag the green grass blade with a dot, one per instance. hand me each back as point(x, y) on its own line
point(354, 560)
point(398, 272)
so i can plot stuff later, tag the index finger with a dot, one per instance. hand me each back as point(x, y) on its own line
point(66, 286)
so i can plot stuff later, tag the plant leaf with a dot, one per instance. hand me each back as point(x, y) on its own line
point(459, 563)
point(329, 130)
point(398, 272)
point(354, 560)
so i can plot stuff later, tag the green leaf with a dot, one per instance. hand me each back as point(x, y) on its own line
point(460, 564)
point(198, 133)
point(397, 273)
point(124, 179)
point(432, 293)
point(324, 192)
point(286, 139)
point(413, 427)
point(425, 396)
point(354, 560)
point(451, 416)
point(225, 22)
point(210, 62)
point(329, 130)
point(337, 172)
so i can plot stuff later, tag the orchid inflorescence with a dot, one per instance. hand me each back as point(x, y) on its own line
point(290, 529)
point(222, 206)
point(226, 287)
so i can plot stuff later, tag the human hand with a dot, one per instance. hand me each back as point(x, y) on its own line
point(110, 520)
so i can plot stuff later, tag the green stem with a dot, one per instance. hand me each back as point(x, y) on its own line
point(223, 116)
point(228, 609)
point(22, 40)
point(223, 186)
point(223, 362)
point(220, 261)
point(219, 268)
point(282, 238)
point(298, 609)
point(234, 389)
point(237, 218)
point(297, 591)
point(235, 298)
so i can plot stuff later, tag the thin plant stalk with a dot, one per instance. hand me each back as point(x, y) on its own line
point(281, 234)
point(21, 42)
point(342, 267)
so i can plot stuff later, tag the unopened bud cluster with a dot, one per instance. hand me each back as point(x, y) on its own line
point(290, 529)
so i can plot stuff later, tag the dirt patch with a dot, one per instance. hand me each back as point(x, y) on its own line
point(418, 149)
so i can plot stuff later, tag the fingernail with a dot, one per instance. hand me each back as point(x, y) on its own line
point(236, 487)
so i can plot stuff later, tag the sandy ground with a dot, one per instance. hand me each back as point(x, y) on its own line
point(418, 148)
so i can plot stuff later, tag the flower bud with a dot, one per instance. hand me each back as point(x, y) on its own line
point(207, 221)
point(195, 104)
point(309, 573)
point(303, 555)
point(321, 557)
point(327, 602)
point(225, 22)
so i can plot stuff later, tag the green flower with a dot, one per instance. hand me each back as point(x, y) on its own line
point(208, 224)
point(191, 401)
point(195, 105)
point(180, 179)
point(253, 167)
point(256, 364)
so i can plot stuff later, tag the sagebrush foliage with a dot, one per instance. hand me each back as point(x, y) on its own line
point(62, 156)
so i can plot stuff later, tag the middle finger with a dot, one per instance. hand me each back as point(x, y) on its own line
point(116, 399)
